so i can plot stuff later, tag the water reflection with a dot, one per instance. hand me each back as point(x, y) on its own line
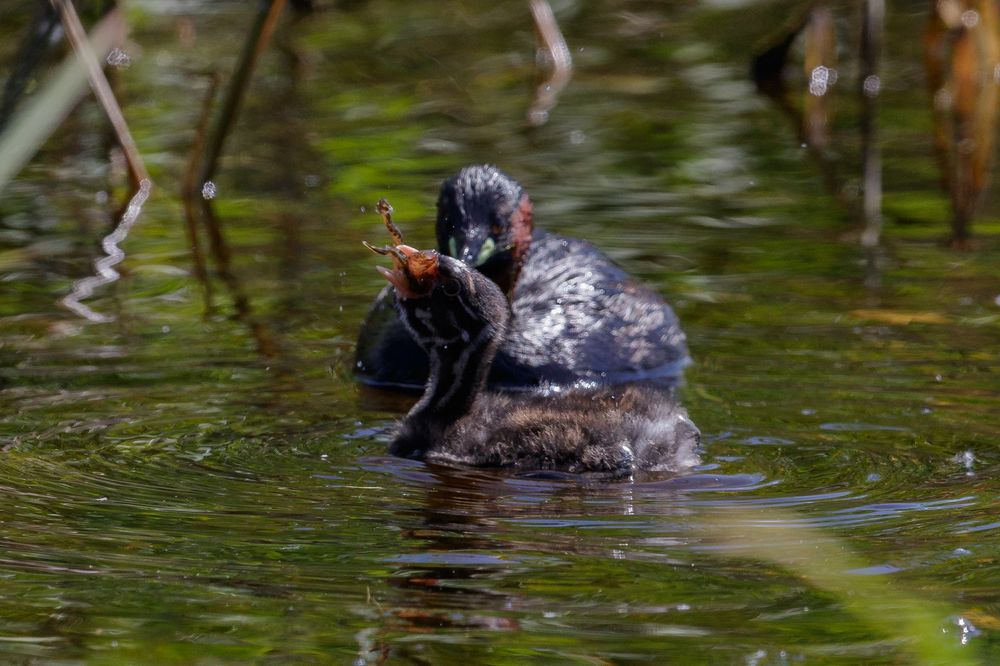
point(173, 496)
point(961, 59)
point(554, 56)
point(475, 544)
point(104, 267)
point(475, 531)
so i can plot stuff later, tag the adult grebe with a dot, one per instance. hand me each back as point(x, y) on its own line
point(576, 316)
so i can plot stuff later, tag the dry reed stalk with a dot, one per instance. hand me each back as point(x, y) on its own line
point(102, 89)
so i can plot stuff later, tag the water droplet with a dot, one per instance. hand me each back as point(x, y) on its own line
point(968, 629)
point(967, 459)
point(538, 117)
point(576, 137)
point(820, 79)
point(118, 58)
point(970, 18)
point(363, 210)
point(872, 85)
point(208, 190)
point(942, 99)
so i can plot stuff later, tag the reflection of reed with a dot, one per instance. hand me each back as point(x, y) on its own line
point(205, 155)
point(296, 166)
point(189, 195)
point(872, 31)
point(811, 121)
point(104, 267)
point(821, 74)
point(962, 60)
point(553, 55)
point(257, 40)
point(83, 49)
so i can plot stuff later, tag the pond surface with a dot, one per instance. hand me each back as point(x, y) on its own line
point(183, 487)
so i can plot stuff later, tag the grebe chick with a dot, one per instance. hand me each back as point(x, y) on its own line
point(460, 318)
point(577, 317)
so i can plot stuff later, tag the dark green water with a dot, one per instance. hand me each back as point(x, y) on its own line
point(171, 495)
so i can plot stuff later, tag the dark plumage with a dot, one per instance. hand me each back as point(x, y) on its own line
point(460, 318)
point(577, 317)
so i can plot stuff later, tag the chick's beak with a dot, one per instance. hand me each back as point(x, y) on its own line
point(413, 271)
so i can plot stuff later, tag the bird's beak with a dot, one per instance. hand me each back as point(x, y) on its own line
point(467, 253)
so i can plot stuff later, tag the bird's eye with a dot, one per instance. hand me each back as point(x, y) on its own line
point(451, 288)
point(485, 251)
point(452, 247)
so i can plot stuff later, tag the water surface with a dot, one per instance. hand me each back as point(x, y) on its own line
point(173, 495)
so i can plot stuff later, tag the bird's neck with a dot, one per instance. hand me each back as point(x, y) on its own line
point(521, 228)
point(457, 376)
point(458, 373)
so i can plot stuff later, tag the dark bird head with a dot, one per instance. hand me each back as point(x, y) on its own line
point(484, 221)
point(445, 304)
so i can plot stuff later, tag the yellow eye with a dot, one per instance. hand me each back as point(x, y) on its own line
point(485, 251)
